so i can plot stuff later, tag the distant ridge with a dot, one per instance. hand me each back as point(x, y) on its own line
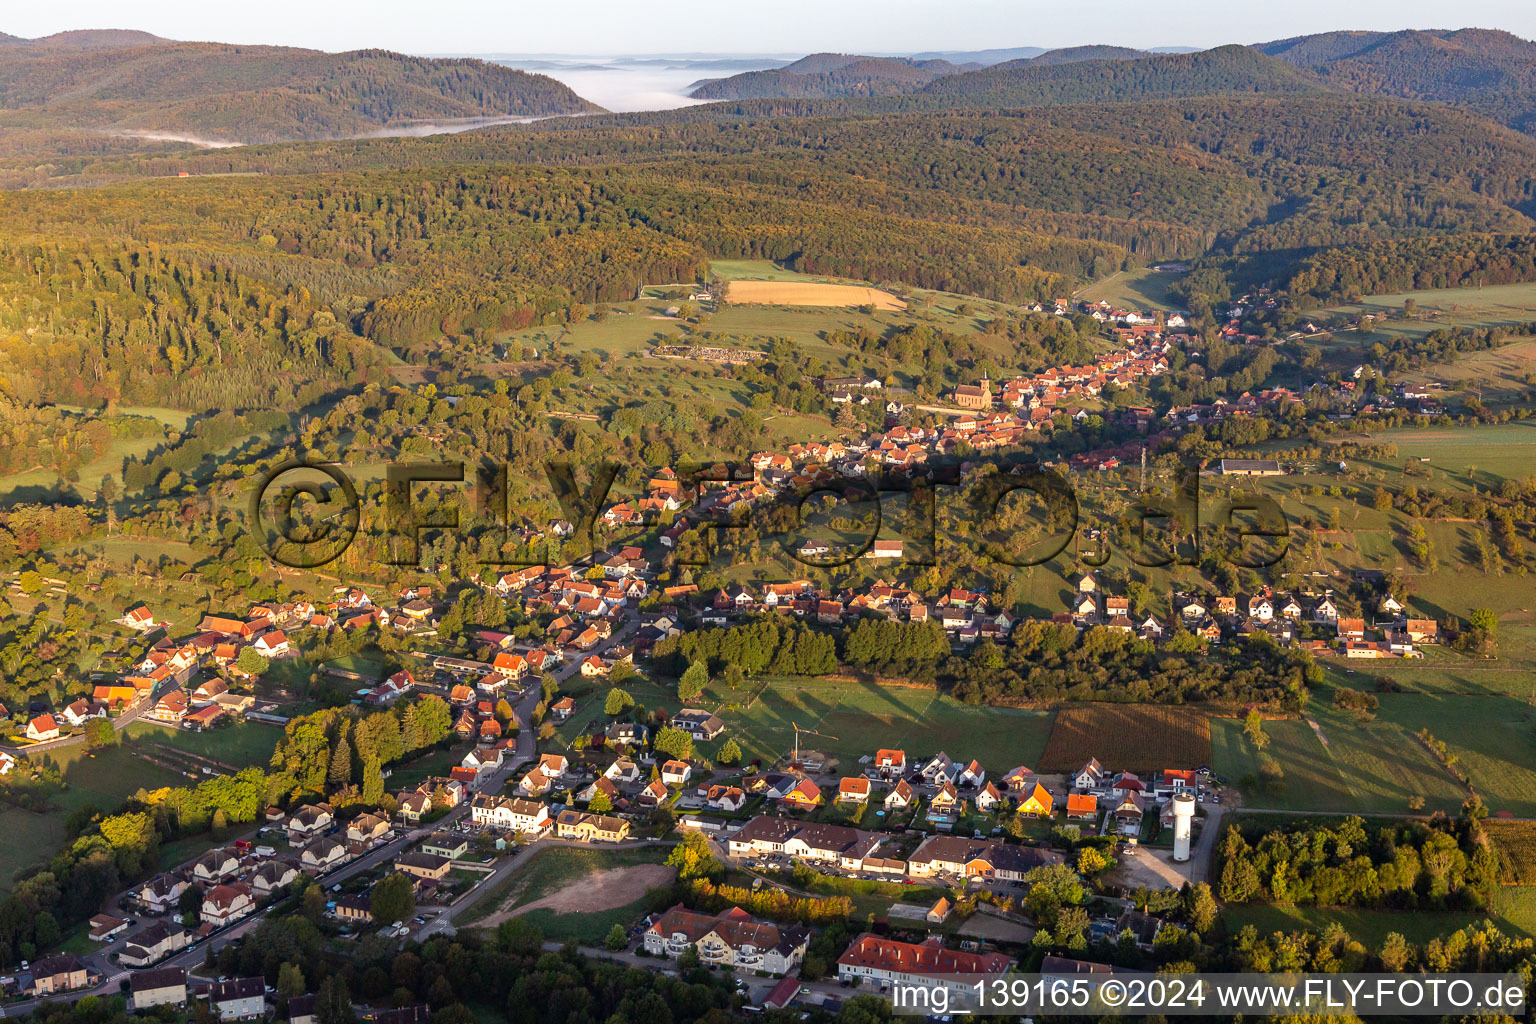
point(822, 75)
point(87, 39)
point(1074, 54)
point(1224, 69)
point(985, 58)
point(1075, 74)
point(133, 84)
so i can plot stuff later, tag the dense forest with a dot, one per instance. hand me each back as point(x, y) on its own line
point(1447, 261)
point(1486, 70)
point(828, 74)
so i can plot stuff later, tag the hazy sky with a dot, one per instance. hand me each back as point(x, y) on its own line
point(788, 26)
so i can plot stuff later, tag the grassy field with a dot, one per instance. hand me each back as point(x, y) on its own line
point(1374, 767)
point(105, 778)
point(245, 743)
point(1471, 307)
point(1491, 737)
point(1498, 374)
point(1480, 455)
point(1369, 926)
point(856, 719)
point(1141, 289)
point(1515, 906)
point(754, 270)
point(29, 839)
point(561, 871)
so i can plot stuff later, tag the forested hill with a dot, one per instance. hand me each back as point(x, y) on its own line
point(829, 74)
point(86, 39)
point(1078, 74)
point(1225, 69)
point(1074, 54)
point(63, 94)
point(1491, 72)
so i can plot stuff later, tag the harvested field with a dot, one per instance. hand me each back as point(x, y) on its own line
point(802, 293)
point(1515, 842)
point(1127, 737)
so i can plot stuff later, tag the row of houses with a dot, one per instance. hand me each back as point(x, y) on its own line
point(851, 849)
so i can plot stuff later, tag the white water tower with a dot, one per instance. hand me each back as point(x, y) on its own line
point(1183, 821)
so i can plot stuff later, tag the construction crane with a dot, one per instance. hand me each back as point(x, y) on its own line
point(808, 732)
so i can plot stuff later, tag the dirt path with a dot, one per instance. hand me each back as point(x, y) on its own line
point(598, 890)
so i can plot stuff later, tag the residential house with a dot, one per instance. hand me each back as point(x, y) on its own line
point(972, 774)
point(82, 711)
point(1089, 776)
point(226, 904)
point(214, 866)
point(426, 866)
point(166, 986)
point(622, 771)
point(301, 1009)
point(414, 805)
point(1019, 779)
point(591, 828)
point(354, 908)
point(891, 764)
point(988, 799)
point(1325, 611)
point(42, 728)
point(238, 998)
point(1127, 812)
point(675, 773)
point(939, 770)
point(726, 798)
point(945, 802)
point(309, 820)
point(273, 877)
point(900, 796)
point(854, 789)
point(61, 973)
point(962, 857)
point(509, 814)
point(599, 785)
point(161, 893)
point(701, 725)
point(810, 841)
point(1351, 629)
point(803, 796)
point(654, 794)
point(322, 855)
point(1082, 806)
point(153, 943)
point(1038, 803)
point(365, 828)
point(732, 939)
point(627, 734)
point(446, 844)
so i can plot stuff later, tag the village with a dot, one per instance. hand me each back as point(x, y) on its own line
point(928, 821)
